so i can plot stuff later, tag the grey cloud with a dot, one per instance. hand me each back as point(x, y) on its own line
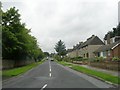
point(70, 20)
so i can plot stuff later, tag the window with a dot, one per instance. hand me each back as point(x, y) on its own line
point(87, 55)
point(103, 54)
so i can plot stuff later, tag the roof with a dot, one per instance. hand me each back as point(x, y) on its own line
point(69, 50)
point(108, 47)
point(93, 40)
point(75, 47)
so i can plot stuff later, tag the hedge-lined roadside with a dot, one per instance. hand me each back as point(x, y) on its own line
point(103, 76)
point(20, 70)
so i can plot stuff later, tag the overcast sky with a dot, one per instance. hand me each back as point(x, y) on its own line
point(72, 21)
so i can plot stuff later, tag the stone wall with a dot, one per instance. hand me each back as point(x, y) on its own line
point(88, 50)
point(73, 54)
point(7, 64)
point(91, 49)
point(110, 65)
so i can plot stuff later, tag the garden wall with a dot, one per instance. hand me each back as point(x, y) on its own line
point(7, 64)
point(110, 65)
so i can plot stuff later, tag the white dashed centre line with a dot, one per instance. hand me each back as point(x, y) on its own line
point(50, 69)
point(50, 75)
point(50, 66)
point(44, 86)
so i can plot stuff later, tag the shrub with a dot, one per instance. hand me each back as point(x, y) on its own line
point(57, 57)
point(67, 59)
point(97, 59)
point(85, 59)
point(115, 59)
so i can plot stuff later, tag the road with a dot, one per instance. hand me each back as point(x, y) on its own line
point(53, 75)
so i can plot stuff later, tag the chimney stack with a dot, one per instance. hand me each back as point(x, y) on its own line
point(108, 38)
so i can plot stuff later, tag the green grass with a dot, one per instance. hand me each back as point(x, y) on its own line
point(65, 63)
point(103, 76)
point(20, 70)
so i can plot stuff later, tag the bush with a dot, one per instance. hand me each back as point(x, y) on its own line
point(115, 59)
point(97, 59)
point(85, 59)
point(77, 59)
point(57, 57)
point(67, 59)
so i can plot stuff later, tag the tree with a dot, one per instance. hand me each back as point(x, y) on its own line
point(17, 43)
point(113, 33)
point(60, 48)
point(46, 54)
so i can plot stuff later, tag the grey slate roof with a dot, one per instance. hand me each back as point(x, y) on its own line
point(106, 47)
point(69, 50)
point(93, 40)
point(75, 47)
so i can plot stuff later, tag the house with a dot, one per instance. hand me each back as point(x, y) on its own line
point(74, 52)
point(111, 40)
point(109, 50)
point(87, 49)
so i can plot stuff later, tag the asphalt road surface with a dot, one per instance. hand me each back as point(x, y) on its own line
point(53, 75)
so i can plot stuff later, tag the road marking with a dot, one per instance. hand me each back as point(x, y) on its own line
point(50, 66)
point(44, 86)
point(50, 74)
point(50, 69)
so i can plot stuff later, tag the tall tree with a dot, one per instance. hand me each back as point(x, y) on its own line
point(60, 48)
point(46, 54)
point(17, 43)
point(114, 32)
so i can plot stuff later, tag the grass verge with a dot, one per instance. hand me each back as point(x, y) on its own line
point(20, 70)
point(101, 75)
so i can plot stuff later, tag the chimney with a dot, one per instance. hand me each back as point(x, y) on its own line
point(108, 38)
point(93, 35)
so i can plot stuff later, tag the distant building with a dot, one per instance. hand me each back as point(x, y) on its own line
point(86, 49)
point(74, 52)
point(110, 49)
point(111, 40)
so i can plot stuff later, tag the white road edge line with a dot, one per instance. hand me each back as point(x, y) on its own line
point(44, 86)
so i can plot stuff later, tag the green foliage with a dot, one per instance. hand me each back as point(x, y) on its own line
point(17, 43)
point(58, 58)
point(19, 70)
point(67, 59)
point(85, 59)
point(46, 54)
point(103, 76)
point(60, 48)
point(97, 59)
point(94, 73)
point(114, 32)
point(65, 63)
point(79, 59)
point(115, 59)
